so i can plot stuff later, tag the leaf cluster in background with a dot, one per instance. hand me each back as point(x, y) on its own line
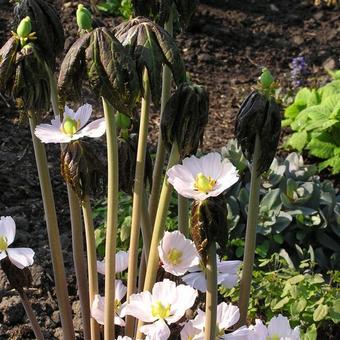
point(300, 294)
point(314, 117)
point(121, 8)
point(297, 210)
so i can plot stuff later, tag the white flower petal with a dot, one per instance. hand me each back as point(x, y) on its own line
point(199, 320)
point(196, 280)
point(123, 337)
point(101, 267)
point(279, 326)
point(2, 255)
point(68, 112)
point(120, 290)
point(185, 298)
point(156, 331)
point(122, 261)
point(211, 165)
point(227, 315)
point(189, 331)
point(164, 291)
point(83, 114)
point(258, 331)
point(56, 122)
point(93, 130)
point(51, 134)
point(240, 334)
point(7, 229)
point(97, 309)
point(21, 257)
point(139, 306)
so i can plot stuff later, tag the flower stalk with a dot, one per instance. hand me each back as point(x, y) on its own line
point(111, 222)
point(138, 196)
point(250, 241)
point(160, 153)
point(183, 218)
point(91, 261)
point(211, 294)
point(159, 226)
point(53, 232)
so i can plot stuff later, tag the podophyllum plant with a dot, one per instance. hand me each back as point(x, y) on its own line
point(119, 66)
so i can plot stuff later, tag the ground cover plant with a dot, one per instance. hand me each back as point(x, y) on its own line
point(201, 179)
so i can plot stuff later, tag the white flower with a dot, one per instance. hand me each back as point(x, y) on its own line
point(227, 316)
point(166, 305)
point(72, 127)
point(177, 253)
point(200, 178)
point(98, 305)
point(122, 261)
point(123, 337)
point(189, 331)
point(278, 329)
point(20, 257)
point(227, 275)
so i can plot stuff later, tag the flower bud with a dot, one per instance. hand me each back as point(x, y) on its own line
point(81, 168)
point(259, 115)
point(184, 118)
point(122, 121)
point(266, 78)
point(24, 28)
point(84, 18)
point(209, 224)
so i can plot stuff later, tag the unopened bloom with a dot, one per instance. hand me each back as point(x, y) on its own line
point(200, 178)
point(227, 275)
point(98, 305)
point(122, 261)
point(20, 257)
point(72, 127)
point(177, 253)
point(165, 305)
point(278, 329)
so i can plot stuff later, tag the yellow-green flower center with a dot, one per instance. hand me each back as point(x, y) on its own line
point(3, 243)
point(204, 183)
point(274, 337)
point(70, 126)
point(117, 305)
point(175, 256)
point(158, 310)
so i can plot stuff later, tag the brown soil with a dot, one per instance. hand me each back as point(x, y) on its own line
point(224, 49)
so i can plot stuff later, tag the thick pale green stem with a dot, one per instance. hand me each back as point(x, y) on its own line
point(77, 232)
point(79, 260)
point(250, 242)
point(31, 316)
point(112, 220)
point(138, 197)
point(183, 215)
point(160, 153)
point(159, 227)
point(53, 233)
point(211, 294)
point(91, 261)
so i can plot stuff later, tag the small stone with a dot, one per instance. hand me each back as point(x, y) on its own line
point(329, 64)
point(56, 317)
point(206, 58)
point(58, 333)
point(77, 319)
point(298, 39)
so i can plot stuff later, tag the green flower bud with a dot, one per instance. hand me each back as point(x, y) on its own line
point(266, 78)
point(122, 121)
point(70, 126)
point(184, 118)
point(209, 224)
point(24, 28)
point(84, 18)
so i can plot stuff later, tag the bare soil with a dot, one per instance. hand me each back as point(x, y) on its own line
point(224, 49)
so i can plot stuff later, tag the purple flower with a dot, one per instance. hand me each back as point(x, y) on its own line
point(298, 71)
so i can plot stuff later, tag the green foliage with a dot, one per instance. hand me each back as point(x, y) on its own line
point(298, 212)
point(314, 117)
point(301, 295)
point(121, 8)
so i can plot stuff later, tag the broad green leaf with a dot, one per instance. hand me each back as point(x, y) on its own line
point(296, 279)
point(302, 96)
point(281, 303)
point(311, 333)
point(333, 163)
point(322, 146)
point(331, 102)
point(298, 140)
point(292, 111)
point(320, 313)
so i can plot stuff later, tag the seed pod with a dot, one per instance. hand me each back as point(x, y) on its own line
point(46, 23)
point(81, 168)
point(127, 153)
point(99, 57)
point(259, 115)
point(184, 118)
point(151, 46)
point(209, 224)
point(84, 18)
point(18, 278)
point(31, 87)
point(24, 28)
